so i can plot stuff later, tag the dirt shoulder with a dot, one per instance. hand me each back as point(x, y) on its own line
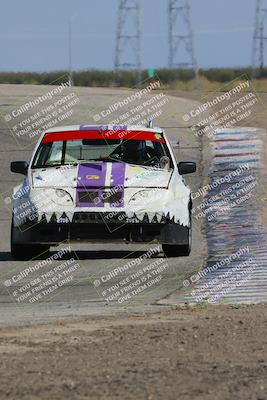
point(195, 353)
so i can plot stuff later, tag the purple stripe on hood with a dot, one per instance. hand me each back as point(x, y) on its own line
point(92, 175)
point(91, 191)
point(118, 174)
point(117, 181)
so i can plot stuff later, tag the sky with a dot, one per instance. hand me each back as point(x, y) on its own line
point(34, 33)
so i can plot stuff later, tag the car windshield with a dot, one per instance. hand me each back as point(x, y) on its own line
point(140, 152)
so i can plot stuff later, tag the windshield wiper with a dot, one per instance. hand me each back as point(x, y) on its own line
point(76, 163)
point(109, 159)
point(53, 165)
point(99, 159)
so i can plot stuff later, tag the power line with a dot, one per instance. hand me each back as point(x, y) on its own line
point(128, 38)
point(181, 43)
point(70, 52)
point(259, 38)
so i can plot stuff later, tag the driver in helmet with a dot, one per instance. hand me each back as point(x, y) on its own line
point(133, 151)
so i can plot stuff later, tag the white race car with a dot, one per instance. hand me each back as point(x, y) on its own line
point(101, 183)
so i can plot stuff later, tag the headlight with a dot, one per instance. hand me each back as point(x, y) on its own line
point(62, 197)
point(147, 196)
point(48, 197)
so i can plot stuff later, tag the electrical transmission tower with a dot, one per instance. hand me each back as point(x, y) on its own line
point(181, 46)
point(259, 38)
point(128, 53)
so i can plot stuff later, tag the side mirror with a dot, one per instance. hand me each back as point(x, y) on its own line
point(19, 167)
point(187, 167)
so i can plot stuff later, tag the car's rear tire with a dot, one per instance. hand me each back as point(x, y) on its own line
point(22, 251)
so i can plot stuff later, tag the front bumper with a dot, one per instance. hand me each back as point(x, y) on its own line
point(94, 227)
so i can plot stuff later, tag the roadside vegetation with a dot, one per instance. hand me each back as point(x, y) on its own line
point(208, 79)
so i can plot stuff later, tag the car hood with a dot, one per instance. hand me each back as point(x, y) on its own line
point(100, 174)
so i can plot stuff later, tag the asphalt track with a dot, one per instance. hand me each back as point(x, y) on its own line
point(82, 297)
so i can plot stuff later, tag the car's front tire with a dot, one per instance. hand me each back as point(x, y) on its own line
point(174, 250)
point(23, 251)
